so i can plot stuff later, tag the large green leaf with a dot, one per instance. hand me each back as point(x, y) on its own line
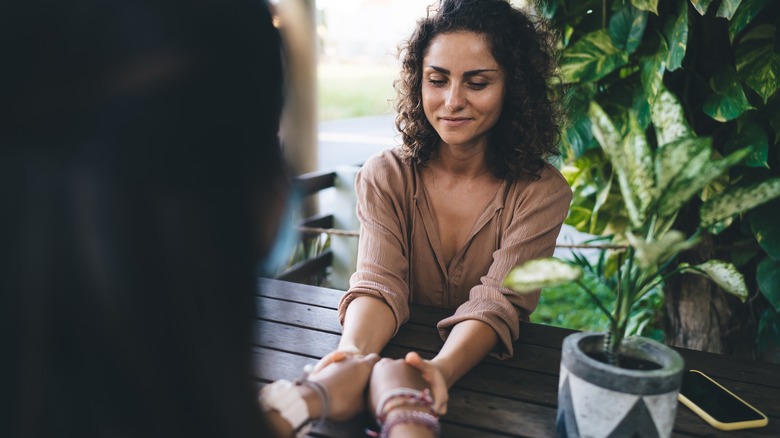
point(758, 61)
point(652, 254)
point(738, 200)
point(637, 163)
point(754, 136)
point(772, 112)
point(728, 100)
point(577, 136)
point(652, 75)
point(536, 274)
point(591, 58)
point(631, 161)
point(746, 12)
point(601, 199)
point(646, 5)
point(669, 119)
point(677, 36)
point(701, 5)
point(626, 28)
point(763, 223)
point(727, 8)
point(688, 183)
point(679, 161)
point(768, 277)
point(723, 274)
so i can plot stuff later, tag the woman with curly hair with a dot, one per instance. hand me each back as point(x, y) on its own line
point(469, 194)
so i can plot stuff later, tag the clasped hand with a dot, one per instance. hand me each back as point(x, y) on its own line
point(344, 374)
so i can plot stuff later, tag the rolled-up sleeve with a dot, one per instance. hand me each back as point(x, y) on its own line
point(530, 232)
point(382, 265)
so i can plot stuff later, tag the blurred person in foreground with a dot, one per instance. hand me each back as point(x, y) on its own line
point(468, 195)
point(142, 183)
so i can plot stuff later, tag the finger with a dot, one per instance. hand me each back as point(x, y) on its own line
point(436, 381)
point(328, 359)
point(372, 359)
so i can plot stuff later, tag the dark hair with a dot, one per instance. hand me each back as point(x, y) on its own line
point(528, 131)
point(138, 160)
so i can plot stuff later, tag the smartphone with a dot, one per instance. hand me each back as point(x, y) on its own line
point(717, 405)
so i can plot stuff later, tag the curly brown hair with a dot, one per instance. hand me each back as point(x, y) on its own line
point(528, 130)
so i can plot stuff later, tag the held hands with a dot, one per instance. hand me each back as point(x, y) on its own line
point(345, 379)
point(434, 378)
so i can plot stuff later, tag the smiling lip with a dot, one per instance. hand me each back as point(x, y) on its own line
point(455, 121)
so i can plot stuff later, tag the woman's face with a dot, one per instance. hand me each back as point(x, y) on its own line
point(462, 88)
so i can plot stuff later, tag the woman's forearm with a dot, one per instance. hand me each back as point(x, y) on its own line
point(368, 325)
point(468, 343)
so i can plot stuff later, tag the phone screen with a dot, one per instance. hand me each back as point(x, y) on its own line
point(721, 405)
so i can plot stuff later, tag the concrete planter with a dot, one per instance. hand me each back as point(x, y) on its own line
point(596, 399)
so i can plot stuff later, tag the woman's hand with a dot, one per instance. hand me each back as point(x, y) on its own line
point(345, 379)
point(434, 378)
point(336, 356)
point(390, 374)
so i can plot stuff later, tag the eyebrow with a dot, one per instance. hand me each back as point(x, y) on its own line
point(466, 73)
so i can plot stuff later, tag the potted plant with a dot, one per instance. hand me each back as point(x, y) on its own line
point(616, 386)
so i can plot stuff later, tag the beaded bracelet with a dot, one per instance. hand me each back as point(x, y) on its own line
point(402, 397)
point(429, 421)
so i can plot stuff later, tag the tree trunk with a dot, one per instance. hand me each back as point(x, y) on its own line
point(697, 311)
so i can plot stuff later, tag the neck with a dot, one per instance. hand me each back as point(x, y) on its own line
point(464, 162)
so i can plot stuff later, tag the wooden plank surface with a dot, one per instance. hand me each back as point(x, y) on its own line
point(298, 324)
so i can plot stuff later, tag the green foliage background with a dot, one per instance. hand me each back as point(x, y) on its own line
point(703, 70)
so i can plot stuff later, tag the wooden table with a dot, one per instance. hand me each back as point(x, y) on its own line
point(298, 324)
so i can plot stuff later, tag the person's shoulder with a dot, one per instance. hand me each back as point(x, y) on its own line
point(551, 177)
point(386, 165)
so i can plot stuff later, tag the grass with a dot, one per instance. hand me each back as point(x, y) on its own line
point(354, 90)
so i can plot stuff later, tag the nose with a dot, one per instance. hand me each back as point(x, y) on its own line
point(454, 100)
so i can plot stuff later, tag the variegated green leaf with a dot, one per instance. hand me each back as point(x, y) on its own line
point(637, 163)
point(613, 145)
point(680, 160)
point(727, 8)
point(591, 58)
point(746, 12)
point(701, 5)
point(688, 184)
point(653, 68)
point(604, 130)
point(738, 200)
point(536, 274)
point(626, 28)
point(753, 135)
point(652, 254)
point(758, 62)
point(601, 198)
point(669, 119)
point(646, 5)
point(723, 274)
point(728, 100)
point(677, 36)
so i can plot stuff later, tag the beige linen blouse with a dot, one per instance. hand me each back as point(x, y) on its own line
point(399, 254)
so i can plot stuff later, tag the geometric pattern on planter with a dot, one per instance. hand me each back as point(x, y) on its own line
point(659, 407)
point(637, 423)
point(597, 410)
point(587, 410)
point(565, 423)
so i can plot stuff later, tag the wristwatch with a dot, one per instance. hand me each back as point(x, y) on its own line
point(283, 397)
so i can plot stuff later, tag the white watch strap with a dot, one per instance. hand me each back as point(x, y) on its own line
point(282, 396)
